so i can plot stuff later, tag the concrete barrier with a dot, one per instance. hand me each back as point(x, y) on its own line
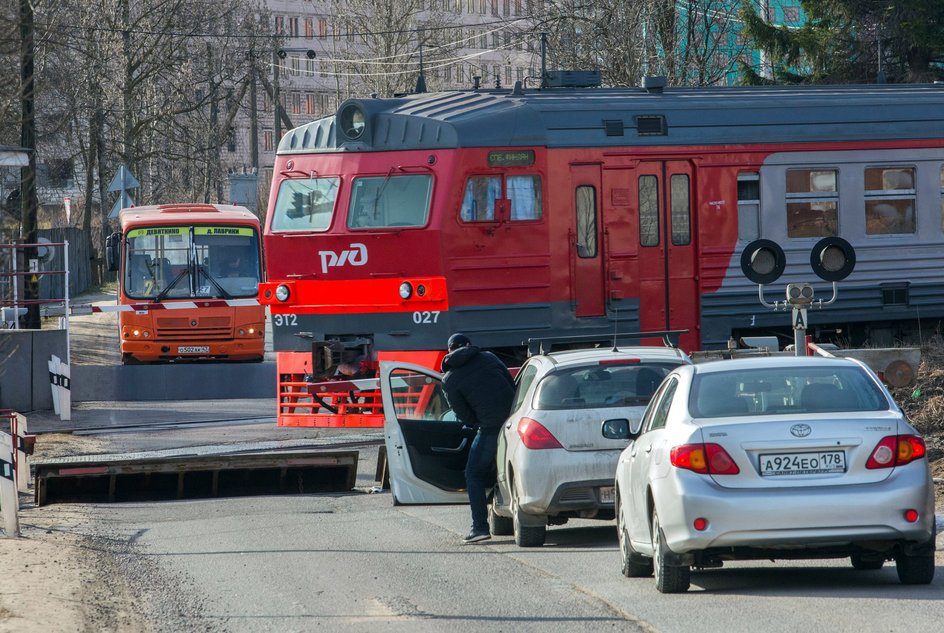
point(24, 372)
point(203, 381)
point(9, 497)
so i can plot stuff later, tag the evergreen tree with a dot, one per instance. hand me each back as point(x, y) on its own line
point(850, 41)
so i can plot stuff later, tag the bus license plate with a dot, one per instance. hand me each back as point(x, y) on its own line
point(193, 349)
point(772, 465)
point(606, 494)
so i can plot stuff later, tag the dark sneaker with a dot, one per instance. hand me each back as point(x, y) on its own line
point(475, 537)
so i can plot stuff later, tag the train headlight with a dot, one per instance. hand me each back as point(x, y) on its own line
point(832, 259)
point(406, 290)
point(353, 121)
point(763, 261)
point(282, 293)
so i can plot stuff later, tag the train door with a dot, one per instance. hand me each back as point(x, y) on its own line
point(668, 290)
point(585, 236)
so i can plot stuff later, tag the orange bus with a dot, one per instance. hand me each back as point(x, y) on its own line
point(188, 283)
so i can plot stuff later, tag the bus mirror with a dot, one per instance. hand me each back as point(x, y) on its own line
point(112, 251)
point(763, 261)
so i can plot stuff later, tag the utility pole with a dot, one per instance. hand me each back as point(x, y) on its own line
point(253, 115)
point(28, 200)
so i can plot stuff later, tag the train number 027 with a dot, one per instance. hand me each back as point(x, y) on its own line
point(287, 320)
point(426, 317)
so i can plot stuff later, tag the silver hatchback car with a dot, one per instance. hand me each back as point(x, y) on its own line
point(553, 461)
point(773, 458)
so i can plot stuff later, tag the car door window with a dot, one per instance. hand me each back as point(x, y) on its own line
point(660, 406)
point(419, 397)
point(525, 379)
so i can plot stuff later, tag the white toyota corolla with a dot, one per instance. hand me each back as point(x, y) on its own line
point(773, 458)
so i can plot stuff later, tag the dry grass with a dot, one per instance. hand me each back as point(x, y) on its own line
point(923, 401)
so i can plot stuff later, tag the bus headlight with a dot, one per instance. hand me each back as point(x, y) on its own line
point(282, 293)
point(406, 290)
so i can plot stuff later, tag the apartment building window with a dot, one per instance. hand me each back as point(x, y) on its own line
point(470, 6)
point(310, 105)
point(482, 7)
point(349, 32)
point(322, 28)
point(506, 7)
point(296, 103)
point(280, 25)
point(458, 6)
point(323, 69)
point(55, 173)
point(296, 65)
point(309, 67)
point(507, 75)
point(517, 7)
point(791, 15)
point(293, 27)
point(495, 41)
point(519, 73)
point(268, 140)
point(309, 28)
point(494, 7)
point(772, 14)
point(231, 139)
point(890, 197)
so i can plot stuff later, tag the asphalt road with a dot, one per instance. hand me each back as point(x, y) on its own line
point(354, 562)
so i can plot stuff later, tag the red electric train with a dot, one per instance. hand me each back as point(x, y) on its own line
point(577, 210)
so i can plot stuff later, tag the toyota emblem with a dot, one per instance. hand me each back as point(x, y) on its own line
point(800, 430)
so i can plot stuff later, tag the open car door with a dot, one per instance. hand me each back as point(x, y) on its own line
point(426, 451)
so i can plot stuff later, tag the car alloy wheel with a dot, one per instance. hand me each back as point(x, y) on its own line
point(629, 558)
point(669, 578)
point(525, 535)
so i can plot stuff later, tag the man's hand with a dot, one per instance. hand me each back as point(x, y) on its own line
point(468, 431)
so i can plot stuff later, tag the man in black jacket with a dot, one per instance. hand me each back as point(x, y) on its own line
point(480, 390)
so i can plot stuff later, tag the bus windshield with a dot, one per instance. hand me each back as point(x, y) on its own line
point(182, 262)
point(305, 204)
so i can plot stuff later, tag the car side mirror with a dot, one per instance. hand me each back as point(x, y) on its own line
point(621, 429)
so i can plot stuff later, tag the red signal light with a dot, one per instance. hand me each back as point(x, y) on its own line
point(535, 436)
point(704, 459)
point(896, 450)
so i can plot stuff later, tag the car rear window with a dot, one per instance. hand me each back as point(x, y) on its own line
point(785, 390)
point(600, 385)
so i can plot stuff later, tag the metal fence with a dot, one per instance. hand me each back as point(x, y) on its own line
point(50, 286)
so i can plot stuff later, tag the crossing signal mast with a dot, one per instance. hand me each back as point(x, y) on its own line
point(763, 261)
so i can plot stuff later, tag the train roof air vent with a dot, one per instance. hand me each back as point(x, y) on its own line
point(651, 125)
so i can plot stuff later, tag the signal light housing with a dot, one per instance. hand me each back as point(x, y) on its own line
point(535, 436)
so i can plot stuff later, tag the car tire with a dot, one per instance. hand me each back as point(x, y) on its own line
point(497, 524)
point(918, 568)
point(669, 578)
point(630, 560)
point(864, 563)
point(525, 535)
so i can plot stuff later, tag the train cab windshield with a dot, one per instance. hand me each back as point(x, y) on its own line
point(390, 201)
point(305, 204)
point(184, 262)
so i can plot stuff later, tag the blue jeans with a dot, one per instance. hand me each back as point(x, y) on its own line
point(480, 475)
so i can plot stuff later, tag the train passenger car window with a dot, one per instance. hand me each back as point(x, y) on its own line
point(681, 210)
point(748, 206)
point(478, 205)
point(942, 197)
point(648, 211)
point(889, 200)
point(812, 202)
point(586, 221)
point(525, 195)
point(305, 204)
point(379, 202)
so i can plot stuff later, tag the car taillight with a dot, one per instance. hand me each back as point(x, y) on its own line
point(535, 436)
point(896, 450)
point(703, 458)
